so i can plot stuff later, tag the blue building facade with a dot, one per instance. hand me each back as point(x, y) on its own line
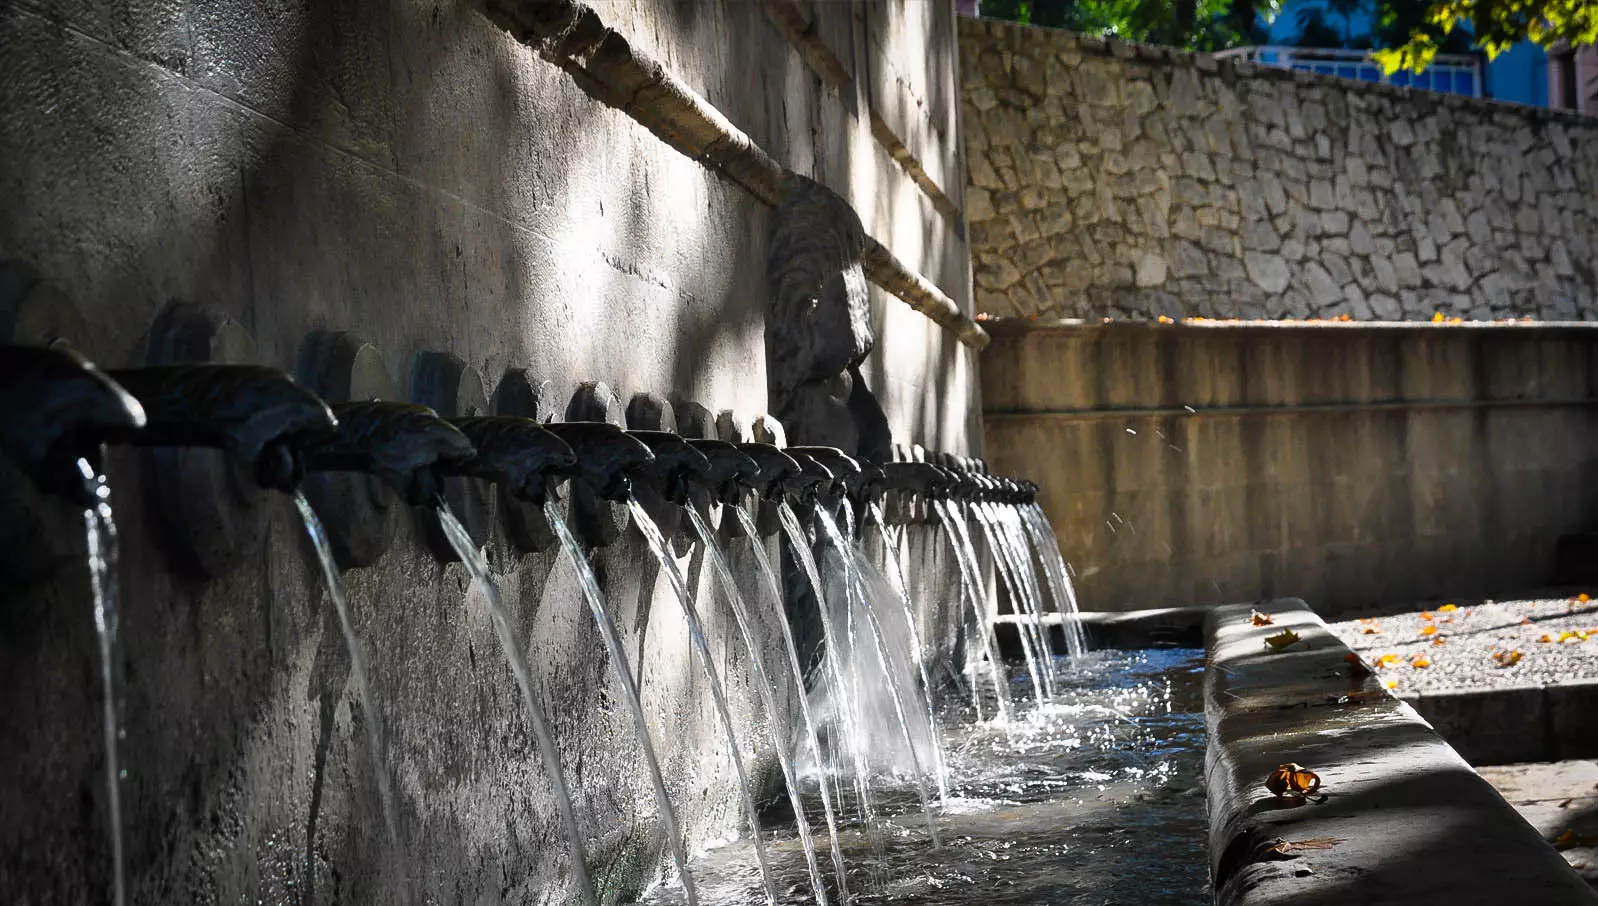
point(1519, 75)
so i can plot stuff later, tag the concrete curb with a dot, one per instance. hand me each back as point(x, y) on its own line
point(1509, 725)
point(1405, 820)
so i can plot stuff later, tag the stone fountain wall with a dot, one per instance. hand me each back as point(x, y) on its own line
point(1111, 180)
point(411, 174)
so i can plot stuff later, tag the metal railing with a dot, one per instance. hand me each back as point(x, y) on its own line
point(1449, 73)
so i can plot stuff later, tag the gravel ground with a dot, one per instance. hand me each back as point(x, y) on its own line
point(1487, 645)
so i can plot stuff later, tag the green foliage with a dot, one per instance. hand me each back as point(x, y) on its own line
point(1492, 25)
point(1194, 24)
point(1410, 33)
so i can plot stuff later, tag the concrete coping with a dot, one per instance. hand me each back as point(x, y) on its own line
point(1404, 819)
point(1085, 325)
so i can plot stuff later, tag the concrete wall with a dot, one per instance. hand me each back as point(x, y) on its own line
point(409, 172)
point(1346, 465)
point(1123, 181)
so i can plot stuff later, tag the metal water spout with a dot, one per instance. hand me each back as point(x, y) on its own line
point(608, 458)
point(677, 465)
point(256, 414)
point(814, 479)
point(774, 469)
point(732, 471)
point(403, 444)
point(57, 408)
point(919, 478)
point(517, 453)
point(845, 469)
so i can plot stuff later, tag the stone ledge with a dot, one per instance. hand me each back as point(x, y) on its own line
point(1508, 726)
point(1412, 822)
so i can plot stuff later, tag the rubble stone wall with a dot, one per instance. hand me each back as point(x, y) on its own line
point(1115, 180)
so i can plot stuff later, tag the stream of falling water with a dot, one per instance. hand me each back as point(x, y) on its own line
point(963, 530)
point(599, 607)
point(841, 699)
point(901, 590)
point(780, 618)
point(1059, 576)
point(858, 598)
point(461, 541)
point(707, 662)
point(1006, 522)
point(100, 532)
point(369, 718)
point(1030, 645)
point(767, 687)
point(976, 596)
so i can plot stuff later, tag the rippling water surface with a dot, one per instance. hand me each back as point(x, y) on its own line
point(1092, 800)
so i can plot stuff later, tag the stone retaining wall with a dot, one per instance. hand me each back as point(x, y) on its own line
point(1347, 464)
point(1115, 180)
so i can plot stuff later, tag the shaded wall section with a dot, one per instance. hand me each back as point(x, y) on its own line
point(409, 172)
point(1110, 179)
point(1346, 465)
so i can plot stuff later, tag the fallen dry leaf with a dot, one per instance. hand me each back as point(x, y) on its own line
point(1437, 641)
point(1356, 667)
point(1282, 639)
point(1283, 850)
point(1293, 779)
point(1260, 619)
point(1507, 658)
point(1426, 615)
point(1428, 630)
point(1391, 684)
point(1385, 660)
point(1448, 608)
point(1571, 840)
point(1420, 662)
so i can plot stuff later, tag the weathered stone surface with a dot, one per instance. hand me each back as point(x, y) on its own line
point(1386, 773)
point(1294, 172)
point(1329, 501)
point(415, 174)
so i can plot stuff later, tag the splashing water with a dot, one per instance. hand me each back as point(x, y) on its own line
point(599, 607)
point(1097, 798)
point(1030, 647)
point(1059, 577)
point(842, 701)
point(363, 690)
point(461, 541)
point(901, 590)
point(766, 687)
point(1006, 526)
point(958, 520)
point(707, 662)
point(100, 532)
point(976, 595)
point(858, 598)
point(797, 670)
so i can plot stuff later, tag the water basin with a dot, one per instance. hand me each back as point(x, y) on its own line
point(1089, 801)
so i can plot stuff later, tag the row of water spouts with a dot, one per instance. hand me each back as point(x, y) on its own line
point(58, 411)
